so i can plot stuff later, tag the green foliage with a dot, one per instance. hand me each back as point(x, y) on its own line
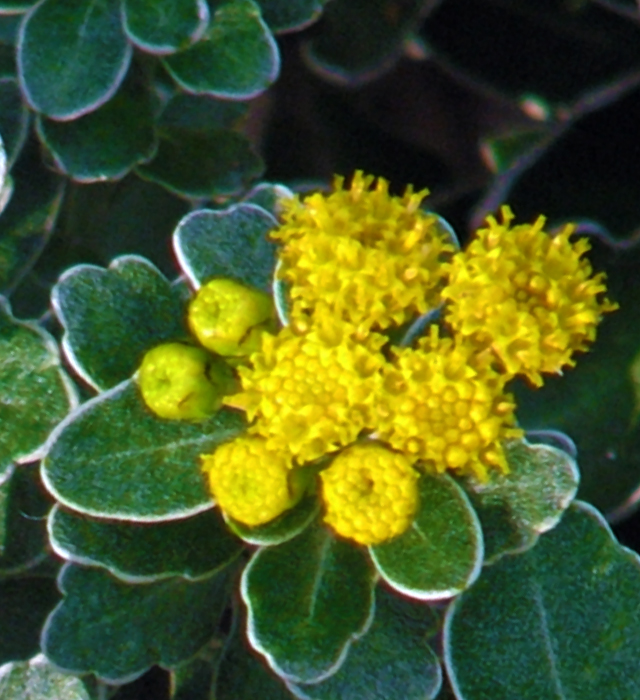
point(37, 679)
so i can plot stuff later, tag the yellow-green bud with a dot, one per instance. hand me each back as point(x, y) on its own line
point(183, 382)
point(229, 318)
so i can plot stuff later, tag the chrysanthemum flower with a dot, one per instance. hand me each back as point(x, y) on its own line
point(447, 408)
point(312, 392)
point(374, 259)
point(528, 296)
point(370, 493)
point(250, 482)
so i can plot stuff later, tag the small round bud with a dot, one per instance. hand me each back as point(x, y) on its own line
point(183, 382)
point(229, 318)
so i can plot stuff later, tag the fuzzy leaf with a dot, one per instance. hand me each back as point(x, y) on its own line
point(232, 242)
point(514, 509)
point(307, 600)
point(14, 119)
point(72, 56)
point(287, 15)
point(203, 164)
point(37, 679)
point(441, 553)
point(113, 458)
point(134, 552)
point(118, 630)
point(112, 316)
point(35, 393)
point(268, 196)
point(201, 113)
point(560, 620)
point(236, 59)
point(166, 27)
point(393, 659)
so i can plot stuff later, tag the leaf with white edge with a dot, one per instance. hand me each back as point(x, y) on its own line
point(290, 15)
point(561, 620)
point(35, 392)
point(165, 27)
point(516, 508)
point(117, 630)
point(236, 59)
point(112, 316)
point(283, 528)
point(268, 196)
point(3, 164)
point(14, 119)
point(142, 552)
point(113, 458)
point(441, 553)
point(37, 679)
point(393, 659)
point(72, 56)
point(25, 603)
point(228, 243)
point(307, 600)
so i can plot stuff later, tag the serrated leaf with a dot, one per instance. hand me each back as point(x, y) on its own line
point(35, 393)
point(112, 316)
point(25, 602)
point(204, 164)
point(228, 243)
point(113, 458)
point(307, 600)
point(72, 56)
point(393, 659)
point(560, 620)
point(108, 142)
point(289, 15)
point(37, 679)
point(516, 508)
point(441, 553)
point(236, 59)
point(134, 552)
point(14, 119)
point(118, 630)
point(286, 526)
point(167, 27)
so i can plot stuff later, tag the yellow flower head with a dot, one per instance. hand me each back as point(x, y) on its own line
point(182, 382)
point(250, 482)
point(312, 392)
point(529, 297)
point(370, 493)
point(229, 318)
point(373, 259)
point(447, 408)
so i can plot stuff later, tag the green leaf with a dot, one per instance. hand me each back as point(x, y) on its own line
point(134, 552)
point(236, 59)
point(112, 316)
point(166, 27)
point(228, 243)
point(72, 56)
point(108, 142)
point(201, 113)
point(37, 679)
point(516, 508)
point(202, 165)
point(25, 602)
point(23, 508)
point(283, 528)
point(307, 600)
point(113, 458)
point(35, 393)
point(393, 659)
point(441, 553)
point(192, 680)
point(559, 621)
point(16, 6)
point(14, 119)
point(289, 15)
point(118, 630)
point(268, 196)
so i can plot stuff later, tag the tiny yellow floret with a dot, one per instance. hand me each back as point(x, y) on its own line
point(250, 482)
point(528, 297)
point(370, 493)
point(229, 318)
point(182, 382)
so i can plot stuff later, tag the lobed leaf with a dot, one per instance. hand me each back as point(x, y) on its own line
point(307, 600)
point(441, 553)
point(113, 458)
point(560, 620)
point(37, 679)
point(268, 196)
point(112, 316)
